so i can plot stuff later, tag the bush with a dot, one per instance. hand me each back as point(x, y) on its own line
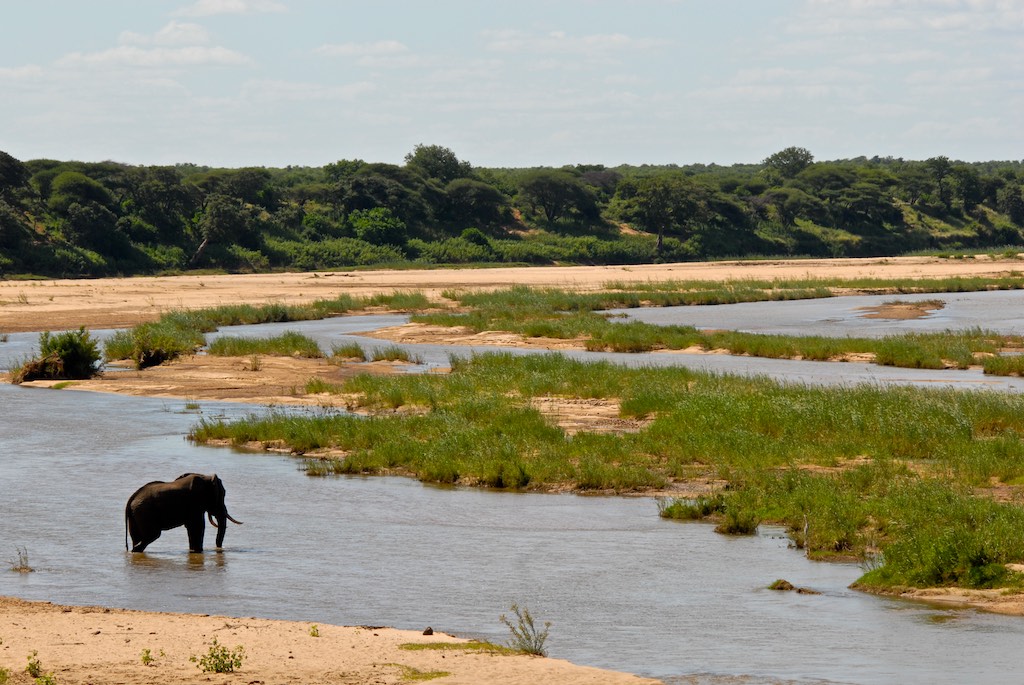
point(526, 637)
point(150, 344)
point(219, 659)
point(67, 355)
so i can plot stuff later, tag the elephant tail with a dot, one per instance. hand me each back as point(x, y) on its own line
point(126, 509)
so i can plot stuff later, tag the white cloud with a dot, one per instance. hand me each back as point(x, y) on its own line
point(275, 91)
point(29, 72)
point(562, 43)
point(209, 8)
point(375, 49)
point(174, 33)
point(132, 56)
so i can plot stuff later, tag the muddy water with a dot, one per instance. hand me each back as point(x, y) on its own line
point(623, 588)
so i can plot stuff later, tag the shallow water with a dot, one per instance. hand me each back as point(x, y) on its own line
point(623, 588)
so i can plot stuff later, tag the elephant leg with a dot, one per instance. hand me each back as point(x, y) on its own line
point(195, 536)
point(144, 541)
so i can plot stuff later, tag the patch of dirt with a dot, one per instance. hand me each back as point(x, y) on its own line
point(590, 415)
point(902, 310)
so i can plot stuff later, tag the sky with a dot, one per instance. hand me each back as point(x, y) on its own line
point(504, 83)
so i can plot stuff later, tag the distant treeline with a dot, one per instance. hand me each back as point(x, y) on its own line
point(76, 218)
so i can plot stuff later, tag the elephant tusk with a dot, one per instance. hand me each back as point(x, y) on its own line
point(212, 522)
point(233, 520)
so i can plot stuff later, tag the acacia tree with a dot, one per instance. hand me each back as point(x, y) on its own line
point(668, 203)
point(557, 193)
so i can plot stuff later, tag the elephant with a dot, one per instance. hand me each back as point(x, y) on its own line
point(160, 506)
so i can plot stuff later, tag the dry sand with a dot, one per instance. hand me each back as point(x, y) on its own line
point(116, 302)
point(97, 645)
point(102, 646)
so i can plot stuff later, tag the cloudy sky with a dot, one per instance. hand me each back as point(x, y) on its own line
point(510, 83)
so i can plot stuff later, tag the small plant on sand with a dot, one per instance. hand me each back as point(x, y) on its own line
point(34, 667)
point(526, 637)
point(314, 631)
point(45, 679)
point(20, 564)
point(147, 657)
point(5, 675)
point(219, 659)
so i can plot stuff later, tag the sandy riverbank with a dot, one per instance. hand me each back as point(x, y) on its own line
point(102, 646)
point(117, 302)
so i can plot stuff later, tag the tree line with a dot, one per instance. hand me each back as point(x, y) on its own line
point(69, 218)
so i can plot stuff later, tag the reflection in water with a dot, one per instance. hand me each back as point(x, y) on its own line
point(142, 562)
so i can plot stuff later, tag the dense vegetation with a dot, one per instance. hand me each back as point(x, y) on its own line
point(65, 218)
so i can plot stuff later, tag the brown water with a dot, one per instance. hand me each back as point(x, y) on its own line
point(622, 588)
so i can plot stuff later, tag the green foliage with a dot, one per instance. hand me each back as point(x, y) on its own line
point(394, 353)
point(348, 351)
point(66, 355)
point(76, 218)
point(34, 667)
point(287, 344)
point(378, 226)
point(219, 659)
point(5, 675)
point(526, 637)
point(151, 344)
point(314, 631)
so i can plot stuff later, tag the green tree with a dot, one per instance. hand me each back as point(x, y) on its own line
point(667, 204)
point(438, 163)
point(557, 193)
point(14, 176)
point(224, 221)
point(1010, 201)
point(473, 203)
point(789, 162)
point(378, 226)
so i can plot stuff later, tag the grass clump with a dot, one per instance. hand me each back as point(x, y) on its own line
point(66, 355)
point(394, 353)
point(219, 659)
point(151, 344)
point(526, 637)
point(692, 510)
point(288, 344)
point(348, 351)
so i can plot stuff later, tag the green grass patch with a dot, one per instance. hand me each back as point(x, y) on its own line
point(394, 353)
point(470, 646)
point(348, 351)
point(288, 344)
